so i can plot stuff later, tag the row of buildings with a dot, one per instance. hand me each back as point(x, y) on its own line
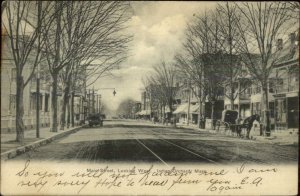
point(283, 90)
point(85, 101)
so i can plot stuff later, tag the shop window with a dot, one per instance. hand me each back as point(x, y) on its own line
point(280, 106)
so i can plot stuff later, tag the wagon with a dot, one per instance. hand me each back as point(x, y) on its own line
point(229, 121)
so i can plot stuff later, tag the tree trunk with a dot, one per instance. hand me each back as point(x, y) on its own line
point(68, 114)
point(19, 110)
point(266, 113)
point(212, 115)
point(72, 110)
point(63, 107)
point(189, 108)
point(171, 115)
point(164, 113)
point(200, 113)
point(53, 127)
point(232, 97)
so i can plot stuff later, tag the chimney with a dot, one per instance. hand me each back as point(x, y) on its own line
point(292, 37)
point(279, 44)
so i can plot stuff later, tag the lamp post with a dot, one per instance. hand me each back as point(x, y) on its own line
point(38, 102)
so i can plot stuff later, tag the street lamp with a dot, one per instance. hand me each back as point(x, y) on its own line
point(38, 102)
point(114, 92)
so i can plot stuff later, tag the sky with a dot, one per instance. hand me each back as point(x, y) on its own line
point(158, 32)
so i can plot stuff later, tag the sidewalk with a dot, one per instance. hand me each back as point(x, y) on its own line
point(284, 137)
point(11, 148)
point(280, 138)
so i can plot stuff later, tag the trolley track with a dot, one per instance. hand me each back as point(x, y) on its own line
point(163, 149)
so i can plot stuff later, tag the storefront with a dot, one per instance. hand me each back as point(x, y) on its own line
point(286, 111)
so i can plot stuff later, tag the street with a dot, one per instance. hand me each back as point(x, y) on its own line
point(135, 141)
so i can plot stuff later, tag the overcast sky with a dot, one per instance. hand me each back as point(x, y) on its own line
point(158, 30)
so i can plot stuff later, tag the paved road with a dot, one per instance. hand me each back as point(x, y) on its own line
point(130, 141)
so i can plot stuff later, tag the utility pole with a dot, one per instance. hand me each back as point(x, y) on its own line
point(38, 102)
point(239, 99)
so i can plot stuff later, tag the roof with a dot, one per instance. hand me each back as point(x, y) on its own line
point(181, 109)
point(288, 53)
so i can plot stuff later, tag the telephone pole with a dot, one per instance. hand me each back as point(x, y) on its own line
point(38, 102)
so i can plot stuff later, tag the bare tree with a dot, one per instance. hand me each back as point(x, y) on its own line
point(261, 24)
point(84, 31)
point(23, 22)
point(164, 79)
point(294, 9)
point(157, 99)
point(203, 62)
point(229, 37)
point(192, 70)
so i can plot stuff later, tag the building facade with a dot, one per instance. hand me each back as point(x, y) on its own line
point(8, 94)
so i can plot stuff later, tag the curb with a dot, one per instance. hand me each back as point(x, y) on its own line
point(269, 140)
point(21, 150)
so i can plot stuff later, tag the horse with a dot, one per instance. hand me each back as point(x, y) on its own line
point(248, 123)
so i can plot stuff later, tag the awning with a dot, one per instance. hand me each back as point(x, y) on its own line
point(144, 112)
point(194, 109)
point(181, 109)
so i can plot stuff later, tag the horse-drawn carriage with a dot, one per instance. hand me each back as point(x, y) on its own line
point(231, 122)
